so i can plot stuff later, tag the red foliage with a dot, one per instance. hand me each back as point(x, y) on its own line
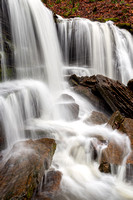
point(120, 10)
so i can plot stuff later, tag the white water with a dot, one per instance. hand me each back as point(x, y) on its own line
point(37, 53)
point(29, 108)
point(97, 48)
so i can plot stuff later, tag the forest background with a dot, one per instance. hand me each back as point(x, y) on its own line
point(118, 11)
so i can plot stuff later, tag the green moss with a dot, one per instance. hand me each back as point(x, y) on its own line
point(58, 1)
point(125, 10)
point(51, 5)
point(112, 19)
point(30, 192)
point(128, 5)
point(10, 73)
point(53, 149)
point(92, 0)
point(101, 19)
point(126, 26)
point(67, 13)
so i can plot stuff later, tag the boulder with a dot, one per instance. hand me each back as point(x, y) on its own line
point(67, 110)
point(105, 167)
point(22, 170)
point(130, 85)
point(85, 86)
point(97, 118)
point(66, 98)
point(51, 186)
point(114, 153)
point(105, 93)
point(122, 124)
point(116, 120)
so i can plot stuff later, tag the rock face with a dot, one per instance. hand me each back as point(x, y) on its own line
point(22, 172)
point(6, 45)
point(105, 93)
point(2, 138)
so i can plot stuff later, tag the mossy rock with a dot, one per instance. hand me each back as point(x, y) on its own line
point(101, 19)
point(126, 26)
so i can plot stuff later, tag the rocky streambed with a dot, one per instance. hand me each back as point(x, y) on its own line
point(25, 171)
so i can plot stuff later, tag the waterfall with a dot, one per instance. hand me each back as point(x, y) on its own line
point(39, 103)
point(96, 48)
point(35, 41)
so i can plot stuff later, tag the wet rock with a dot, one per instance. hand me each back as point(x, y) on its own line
point(129, 172)
point(66, 98)
point(122, 124)
point(115, 152)
point(68, 111)
point(116, 120)
point(2, 139)
point(105, 93)
point(97, 118)
point(22, 170)
point(127, 127)
point(130, 84)
point(51, 186)
point(85, 86)
point(105, 167)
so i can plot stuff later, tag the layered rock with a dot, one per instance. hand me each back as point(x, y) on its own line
point(105, 93)
point(22, 170)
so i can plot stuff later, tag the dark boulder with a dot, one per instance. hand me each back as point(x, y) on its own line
point(105, 93)
point(130, 85)
point(105, 167)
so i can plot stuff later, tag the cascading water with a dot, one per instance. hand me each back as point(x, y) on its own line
point(27, 106)
point(35, 40)
point(96, 48)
